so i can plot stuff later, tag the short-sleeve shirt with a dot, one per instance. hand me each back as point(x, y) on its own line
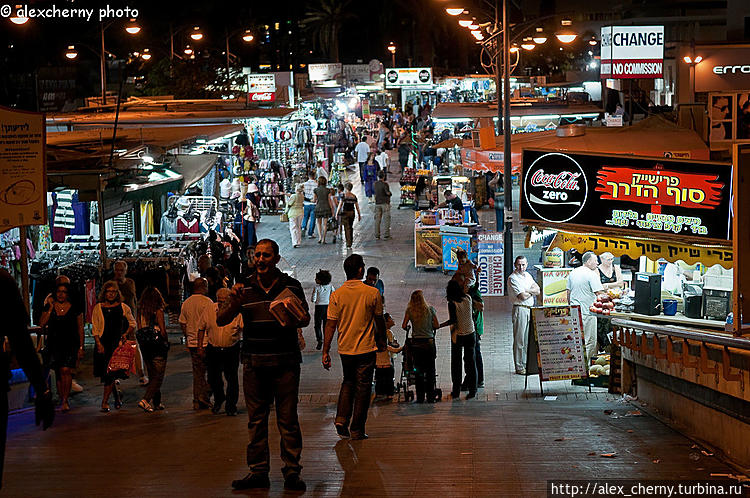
point(221, 336)
point(191, 314)
point(363, 151)
point(518, 283)
point(422, 327)
point(583, 284)
point(354, 306)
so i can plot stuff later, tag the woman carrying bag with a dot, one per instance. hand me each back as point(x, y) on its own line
point(112, 322)
point(294, 213)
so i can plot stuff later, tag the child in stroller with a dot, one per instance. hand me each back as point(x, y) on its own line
point(384, 371)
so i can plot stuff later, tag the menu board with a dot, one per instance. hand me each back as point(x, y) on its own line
point(451, 244)
point(559, 335)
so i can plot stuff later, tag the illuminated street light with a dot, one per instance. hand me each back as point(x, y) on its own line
point(539, 38)
point(514, 49)
point(592, 41)
point(454, 10)
point(71, 53)
point(146, 55)
point(196, 34)
point(248, 36)
point(527, 44)
point(566, 35)
point(477, 34)
point(392, 49)
point(188, 50)
point(133, 28)
point(473, 24)
point(465, 22)
point(18, 19)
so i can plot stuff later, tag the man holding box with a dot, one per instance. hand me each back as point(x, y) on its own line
point(271, 358)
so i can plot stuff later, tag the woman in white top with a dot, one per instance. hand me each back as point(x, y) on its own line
point(462, 338)
point(321, 297)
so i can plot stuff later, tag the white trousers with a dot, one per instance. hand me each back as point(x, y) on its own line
point(520, 336)
point(295, 229)
point(589, 335)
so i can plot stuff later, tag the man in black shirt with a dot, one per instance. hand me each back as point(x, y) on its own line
point(271, 358)
point(452, 201)
point(15, 322)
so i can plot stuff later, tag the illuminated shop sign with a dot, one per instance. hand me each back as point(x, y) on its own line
point(632, 52)
point(625, 194)
point(722, 68)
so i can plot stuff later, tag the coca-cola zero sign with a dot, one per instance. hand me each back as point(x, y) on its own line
point(555, 187)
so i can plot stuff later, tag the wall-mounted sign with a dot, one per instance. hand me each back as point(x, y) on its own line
point(490, 263)
point(23, 172)
point(324, 72)
point(632, 51)
point(363, 72)
point(412, 77)
point(722, 69)
point(261, 82)
point(660, 197)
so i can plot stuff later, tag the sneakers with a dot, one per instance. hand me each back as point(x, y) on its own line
point(252, 481)
point(311, 236)
point(342, 431)
point(292, 482)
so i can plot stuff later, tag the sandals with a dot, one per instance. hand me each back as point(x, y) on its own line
point(105, 409)
point(65, 407)
point(146, 406)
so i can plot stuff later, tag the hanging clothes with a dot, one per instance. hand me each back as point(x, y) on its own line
point(64, 215)
point(147, 219)
point(188, 226)
point(90, 298)
point(81, 217)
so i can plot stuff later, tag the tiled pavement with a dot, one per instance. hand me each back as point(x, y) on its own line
point(509, 442)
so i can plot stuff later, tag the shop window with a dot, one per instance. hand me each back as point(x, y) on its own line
point(729, 114)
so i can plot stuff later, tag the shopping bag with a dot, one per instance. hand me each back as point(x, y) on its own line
point(123, 358)
point(284, 217)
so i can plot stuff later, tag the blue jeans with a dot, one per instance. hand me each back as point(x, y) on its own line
point(308, 215)
point(354, 397)
point(465, 344)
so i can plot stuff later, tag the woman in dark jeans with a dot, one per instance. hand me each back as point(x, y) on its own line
point(64, 340)
point(347, 207)
point(151, 314)
point(112, 322)
point(424, 321)
point(462, 338)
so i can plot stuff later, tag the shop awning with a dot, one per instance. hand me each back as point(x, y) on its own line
point(653, 137)
point(452, 111)
point(164, 138)
point(193, 167)
point(653, 249)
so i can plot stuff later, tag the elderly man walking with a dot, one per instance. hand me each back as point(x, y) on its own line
point(271, 359)
point(522, 290)
point(356, 311)
point(191, 317)
point(583, 286)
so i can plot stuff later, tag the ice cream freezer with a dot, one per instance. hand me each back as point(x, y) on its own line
point(553, 282)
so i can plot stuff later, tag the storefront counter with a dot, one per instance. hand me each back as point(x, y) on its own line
point(678, 319)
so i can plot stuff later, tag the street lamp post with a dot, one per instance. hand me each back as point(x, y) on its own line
point(131, 29)
point(392, 50)
point(507, 172)
point(247, 37)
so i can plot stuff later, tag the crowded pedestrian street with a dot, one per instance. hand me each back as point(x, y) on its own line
point(508, 441)
point(405, 248)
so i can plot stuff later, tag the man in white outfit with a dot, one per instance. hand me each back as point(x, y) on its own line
point(522, 289)
point(583, 286)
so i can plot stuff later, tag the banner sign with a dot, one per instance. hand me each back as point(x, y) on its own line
point(651, 196)
point(427, 248)
point(490, 263)
point(654, 250)
point(414, 77)
point(559, 336)
point(23, 169)
point(723, 69)
point(451, 243)
point(324, 72)
point(632, 52)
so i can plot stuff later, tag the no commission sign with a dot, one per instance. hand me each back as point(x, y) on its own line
point(632, 51)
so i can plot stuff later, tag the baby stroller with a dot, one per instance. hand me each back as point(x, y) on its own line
point(409, 372)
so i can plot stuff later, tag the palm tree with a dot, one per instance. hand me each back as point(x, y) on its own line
point(325, 21)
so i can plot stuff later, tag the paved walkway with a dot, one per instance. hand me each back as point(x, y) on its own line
point(507, 442)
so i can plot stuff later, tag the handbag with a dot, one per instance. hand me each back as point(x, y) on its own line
point(152, 343)
point(333, 224)
point(123, 358)
point(284, 217)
